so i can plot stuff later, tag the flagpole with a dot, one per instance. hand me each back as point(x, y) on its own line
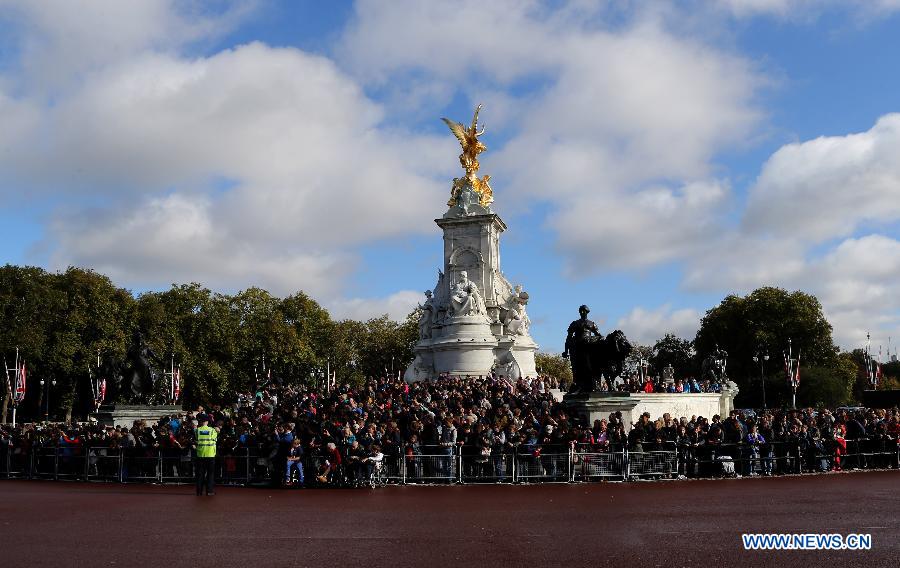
point(9, 388)
point(13, 386)
point(15, 394)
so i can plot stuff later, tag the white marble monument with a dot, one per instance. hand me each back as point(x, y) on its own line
point(474, 322)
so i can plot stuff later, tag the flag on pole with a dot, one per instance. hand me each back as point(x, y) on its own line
point(101, 391)
point(797, 374)
point(20, 383)
point(176, 385)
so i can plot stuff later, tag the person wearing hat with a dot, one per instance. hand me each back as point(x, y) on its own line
point(205, 440)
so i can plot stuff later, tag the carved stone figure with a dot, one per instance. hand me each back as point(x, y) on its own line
point(517, 322)
point(440, 300)
point(465, 300)
point(426, 320)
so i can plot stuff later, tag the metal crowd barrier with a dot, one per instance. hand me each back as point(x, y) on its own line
point(721, 460)
point(869, 453)
point(543, 466)
point(433, 465)
point(495, 467)
point(591, 464)
point(525, 464)
point(652, 463)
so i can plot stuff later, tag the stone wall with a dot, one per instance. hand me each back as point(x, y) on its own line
point(600, 405)
point(680, 404)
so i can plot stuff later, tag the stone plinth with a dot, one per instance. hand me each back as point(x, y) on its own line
point(126, 414)
point(596, 405)
point(588, 407)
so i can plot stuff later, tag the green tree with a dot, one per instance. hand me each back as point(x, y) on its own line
point(828, 385)
point(89, 315)
point(27, 303)
point(633, 361)
point(766, 318)
point(672, 350)
point(554, 365)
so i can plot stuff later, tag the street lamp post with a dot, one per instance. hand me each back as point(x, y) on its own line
point(46, 386)
point(761, 356)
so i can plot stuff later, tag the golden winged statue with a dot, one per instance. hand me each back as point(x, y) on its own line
point(471, 147)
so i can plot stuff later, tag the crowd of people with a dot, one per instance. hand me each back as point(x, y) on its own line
point(300, 436)
point(649, 384)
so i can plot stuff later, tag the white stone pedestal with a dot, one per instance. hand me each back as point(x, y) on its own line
point(474, 344)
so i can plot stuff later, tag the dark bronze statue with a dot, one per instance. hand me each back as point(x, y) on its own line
point(713, 366)
point(592, 355)
point(136, 381)
point(581, 339)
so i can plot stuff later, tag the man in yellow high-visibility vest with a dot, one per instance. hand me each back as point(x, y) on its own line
point(205, 439)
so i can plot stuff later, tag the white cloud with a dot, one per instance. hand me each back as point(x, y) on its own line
point(641, 229)
point(857, 281)
point(61, 40)
point(397, 306)
point(622, 118)
point(849, 179)
point(644, 326)
point(254, 165)
point(176, 239)
point(808, 10)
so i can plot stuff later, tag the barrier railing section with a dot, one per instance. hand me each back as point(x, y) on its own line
point(458, 464)
point(718, 460)
point(592, 463)
point(487, 466)
point(652, 464)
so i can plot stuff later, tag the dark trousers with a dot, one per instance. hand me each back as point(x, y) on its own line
point(206, 474)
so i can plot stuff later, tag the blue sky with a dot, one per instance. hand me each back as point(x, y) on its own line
point(648, 157)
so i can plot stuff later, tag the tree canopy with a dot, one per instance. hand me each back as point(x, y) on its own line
point(763, 322)
point(61, 321)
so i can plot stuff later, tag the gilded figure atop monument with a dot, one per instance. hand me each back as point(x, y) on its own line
point(471, 147)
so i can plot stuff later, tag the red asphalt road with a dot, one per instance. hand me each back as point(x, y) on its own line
point(685, 523)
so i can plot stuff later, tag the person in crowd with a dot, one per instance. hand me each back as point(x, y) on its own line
point(507, 421)
point(294, 460)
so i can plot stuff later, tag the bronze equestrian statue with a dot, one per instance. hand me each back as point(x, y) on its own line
point(593, 355)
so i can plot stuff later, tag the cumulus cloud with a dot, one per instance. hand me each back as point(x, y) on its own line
point(623, 124)
point(177, 239)
point(397, 306)
point(857, 281)
point(61, 40)
point(645, 326)
point(645, 228)
point(808, 10)
point(851, 179)
point(254, 165)
point(268, 166)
